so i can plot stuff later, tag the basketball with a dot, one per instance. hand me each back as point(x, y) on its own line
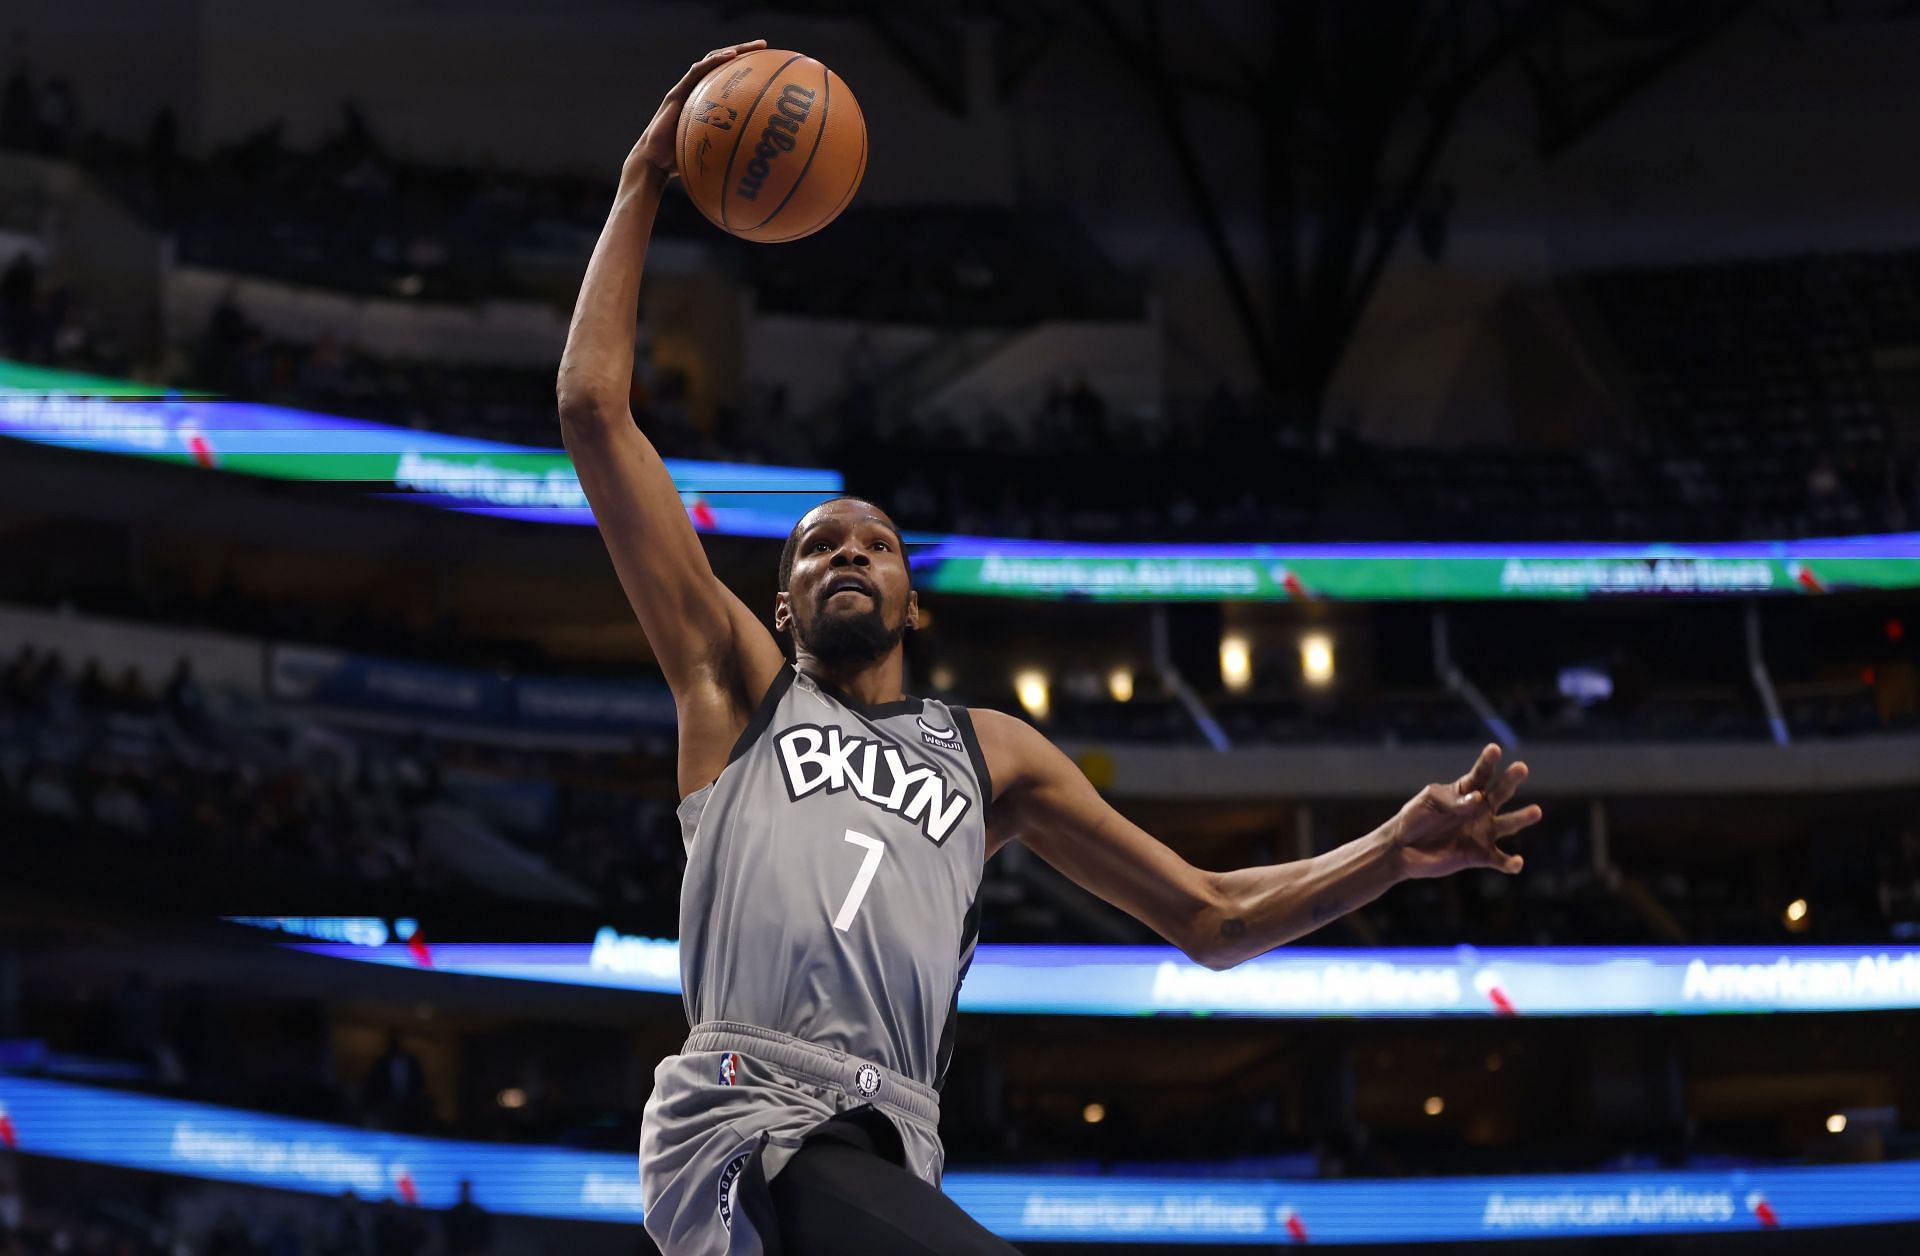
point(771, 146)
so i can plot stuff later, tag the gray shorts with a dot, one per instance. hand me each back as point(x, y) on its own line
point(730, 1111)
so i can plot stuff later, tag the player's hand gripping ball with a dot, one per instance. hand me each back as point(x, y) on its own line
point(771, 145)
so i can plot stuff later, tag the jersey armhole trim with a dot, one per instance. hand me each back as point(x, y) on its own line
point(763, 714)
point(963, 720)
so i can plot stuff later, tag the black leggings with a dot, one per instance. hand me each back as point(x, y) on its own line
point(834, 1198)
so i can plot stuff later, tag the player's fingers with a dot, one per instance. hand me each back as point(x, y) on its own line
point(700, 69)
point(1514, 821)
point(1503, 789)
point(1482, 770)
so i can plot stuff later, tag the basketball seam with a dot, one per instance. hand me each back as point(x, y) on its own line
point(680, 134)
point(746, 120)
point(826, 106)
point(858, 175)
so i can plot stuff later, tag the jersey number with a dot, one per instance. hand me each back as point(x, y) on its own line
point(869, 864)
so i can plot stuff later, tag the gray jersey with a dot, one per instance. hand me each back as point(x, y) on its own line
point(832, 875)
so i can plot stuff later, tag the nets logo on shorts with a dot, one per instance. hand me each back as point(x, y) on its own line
point(867, 1081)
point(729, 1068)
point(729, 1184)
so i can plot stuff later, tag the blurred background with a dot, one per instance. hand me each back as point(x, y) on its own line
point(1385, 379)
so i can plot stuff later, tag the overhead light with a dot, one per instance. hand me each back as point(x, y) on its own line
point(1120, 684)
point(1796, 911)
point(1031, 688)
point(1236, 662)
point(1094, 1113)
point(1837, 1123)
point(1434, 1105)
point(941, 676)
point(513, 1097)
point(1316, 658)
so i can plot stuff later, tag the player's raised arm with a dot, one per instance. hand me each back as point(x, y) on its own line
point(717, 656)
point(1224, 918)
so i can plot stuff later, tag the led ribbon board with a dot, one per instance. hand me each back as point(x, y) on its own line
point(452, 472)
point(132, 1131)
point(738, 499)
point(1294, 981)
point(1409, 571)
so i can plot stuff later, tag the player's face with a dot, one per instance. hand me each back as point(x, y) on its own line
point(848, 599)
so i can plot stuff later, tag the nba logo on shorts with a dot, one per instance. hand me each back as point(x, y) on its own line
point(729, 1068)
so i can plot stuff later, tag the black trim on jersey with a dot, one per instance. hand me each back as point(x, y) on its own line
point(963, 720)
point(763, 714)
point(908, 705)
point(969, 935)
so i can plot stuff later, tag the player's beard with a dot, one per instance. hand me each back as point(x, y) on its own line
point(849, 640)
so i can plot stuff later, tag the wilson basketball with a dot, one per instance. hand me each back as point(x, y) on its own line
point(772, 146)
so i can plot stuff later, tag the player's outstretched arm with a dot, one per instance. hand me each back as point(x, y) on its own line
point(1223, 919)
point(718, 658)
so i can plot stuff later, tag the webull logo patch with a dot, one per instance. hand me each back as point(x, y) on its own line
point(946, 738)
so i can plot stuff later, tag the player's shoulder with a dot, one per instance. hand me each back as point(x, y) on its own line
point(1016, 752)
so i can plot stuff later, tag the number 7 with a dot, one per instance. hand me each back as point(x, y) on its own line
point(869, 863)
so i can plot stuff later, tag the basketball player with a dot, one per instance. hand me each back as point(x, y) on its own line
point(836, 830)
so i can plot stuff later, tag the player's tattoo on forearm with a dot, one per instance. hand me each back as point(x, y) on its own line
point(1233, 927)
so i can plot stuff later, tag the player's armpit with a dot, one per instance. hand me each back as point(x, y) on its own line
point(1043, 800)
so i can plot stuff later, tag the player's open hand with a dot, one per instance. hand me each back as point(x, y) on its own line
point(1445, 828)
point(656, 146)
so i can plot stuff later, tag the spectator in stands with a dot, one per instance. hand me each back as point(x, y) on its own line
point(19, 297)
point(1899, 890)
point(1087, 414)
point(183, 701)
point(138, 1034)
point(9, 991)
point(223, 344)
point(395, 1232)
point(49, 792)
point(163, 154)
point(59, 118)
point(394, 1095)
point(229, 1236)
point(19, 110)
point(17, 687)
point(347, 1232)
point(1823, 483)
point(283, 1239)
point(91, 691)
point(12, 1206)
point(469, 1229)
point(1913, 508)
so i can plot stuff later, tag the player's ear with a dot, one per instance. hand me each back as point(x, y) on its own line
point(782, 611)
point(913, 608)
